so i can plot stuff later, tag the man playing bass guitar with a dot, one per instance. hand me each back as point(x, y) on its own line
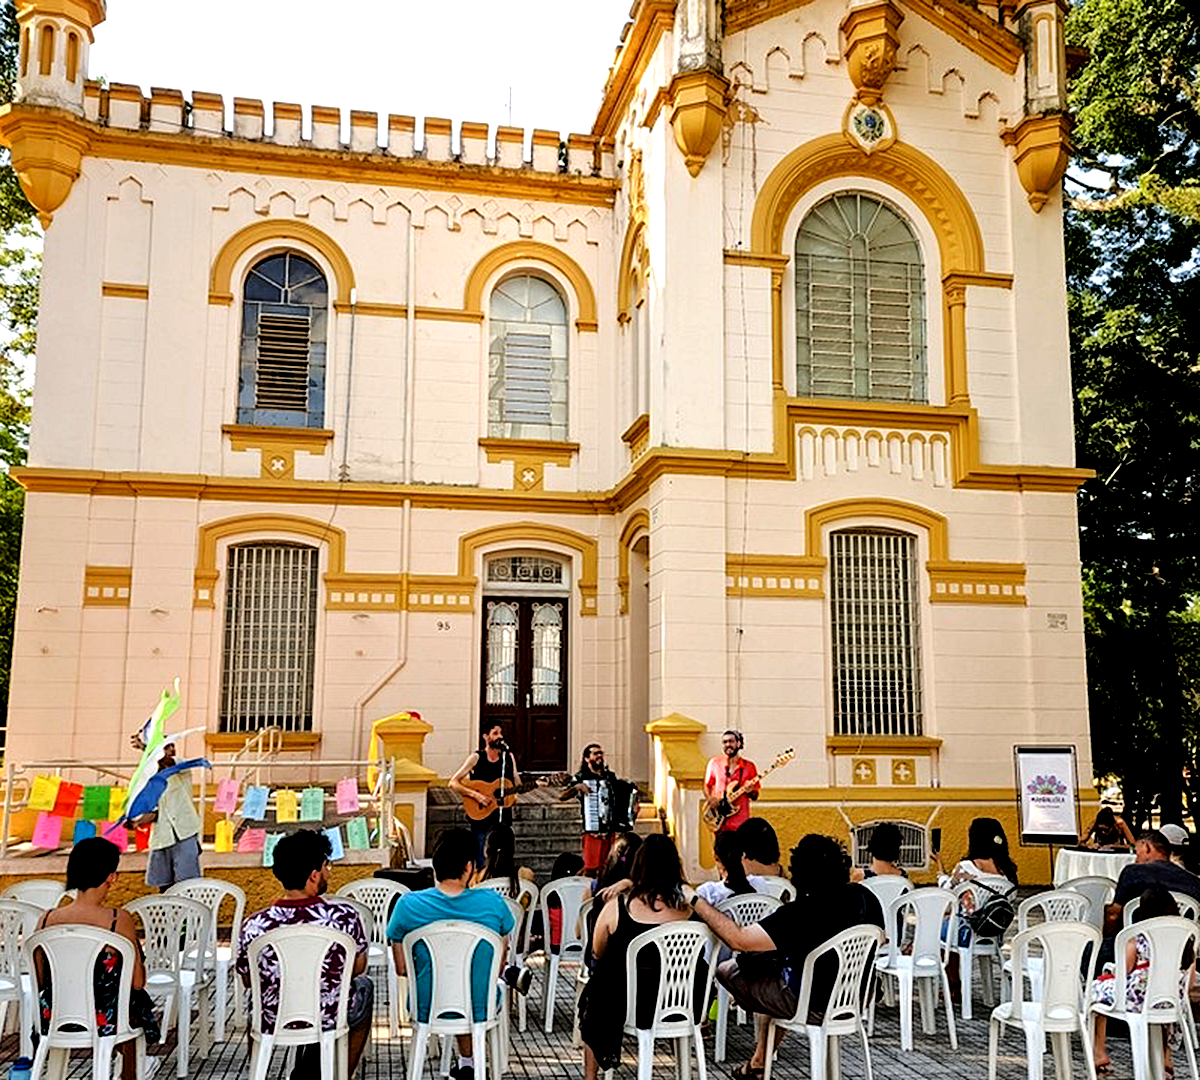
point(729, 770)
point(491, 762)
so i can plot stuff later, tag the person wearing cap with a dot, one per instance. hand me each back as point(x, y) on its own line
point(1177, 836)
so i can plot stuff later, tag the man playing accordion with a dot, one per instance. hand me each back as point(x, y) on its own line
point(609, 806)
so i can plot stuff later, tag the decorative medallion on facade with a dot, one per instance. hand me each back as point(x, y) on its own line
point(870, 127)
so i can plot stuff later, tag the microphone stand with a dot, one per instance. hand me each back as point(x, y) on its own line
point(503, 784)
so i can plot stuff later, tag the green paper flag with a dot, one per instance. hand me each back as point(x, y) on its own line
point(357, 835)
point(312, 804)
point(96, 799)
point(272, 839)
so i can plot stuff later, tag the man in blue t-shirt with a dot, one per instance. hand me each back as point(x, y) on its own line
point(453, 865)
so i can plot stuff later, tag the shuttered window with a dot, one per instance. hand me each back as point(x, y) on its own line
point(282, 368)
point(527, 360)
point(860, 303)
point(876, 633)
point(270, 637)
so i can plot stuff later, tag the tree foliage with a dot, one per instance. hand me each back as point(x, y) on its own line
point(1132, 243)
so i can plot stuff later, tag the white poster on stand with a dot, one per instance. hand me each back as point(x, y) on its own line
point(1049, 794)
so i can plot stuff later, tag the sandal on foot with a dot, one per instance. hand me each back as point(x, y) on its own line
point(746, 1071)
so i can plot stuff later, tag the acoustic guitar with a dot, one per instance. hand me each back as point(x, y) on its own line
point(502, 793)
point(716, 816)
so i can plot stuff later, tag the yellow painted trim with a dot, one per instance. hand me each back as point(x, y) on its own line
point(530, 533)
point(220, 287)
point(364, 592)
point(679, 737)
point(124, 291)
point(546, 450)
point(627, 296)
point(637, 437)
point(901, 796)
point(446, 593)
point(523, 251)
point(232, 741)
point(982, 278)
point(919, 745)
point(651, 19)
point(636, 523)
point(107, 586)
point(774, 575)
point(400, 311)
point(976, 583)
point(817, 517)
point(734, 257)
point(277, 446)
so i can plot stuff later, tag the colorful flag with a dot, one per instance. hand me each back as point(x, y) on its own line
point(312, 804)
point(44, 793)
point(84, 830)
point(272, 839)
point(227, 794)
point(96, 799)
point(47, 833)
point(358, 837)
point(116, 803)
point(334, 832)
point(252, 840)
point(287, 805)
point(223, 840)
point(254, 805)
point(347, 795)
point(153, 739)
point(67, 800)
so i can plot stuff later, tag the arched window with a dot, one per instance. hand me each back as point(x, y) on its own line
point(875, 619)
point(527, 360)
point(282, 365)
point(860, 302)
point(270, 641)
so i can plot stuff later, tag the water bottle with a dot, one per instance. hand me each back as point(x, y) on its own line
point(21, 1069)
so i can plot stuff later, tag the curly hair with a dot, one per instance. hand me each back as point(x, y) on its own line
point(818, 863)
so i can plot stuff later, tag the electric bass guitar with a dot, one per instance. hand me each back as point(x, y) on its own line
point(502, 793)
point(716, 816)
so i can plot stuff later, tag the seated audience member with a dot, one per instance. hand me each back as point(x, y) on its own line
point(568, 864)
point(733, 882)
point(1151, 866)
point(302, 867)
point(760, 849)
point(1108, 832)
point(1155, 901)
point(450, 898)
point(500, 861)
point(884, 847)
point(1177, 836)
point(654, 898)
point(92, 871)
point(620, 861)
point(987, 853)
point(826, 903)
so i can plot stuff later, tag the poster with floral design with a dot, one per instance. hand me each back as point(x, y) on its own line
point(1049, 794)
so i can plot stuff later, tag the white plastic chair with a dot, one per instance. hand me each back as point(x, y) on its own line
point(212, 893)
point(745, 910)
point(176, 933)
point(1189, 906)
point(778, 887)
point(1054, 905)
point(45, 893)
point(1099, 890)
point(512, 938)
point(571, 893)
point(379, 895)
point(1168, 936)
point(855, 950)
point(451, 945)
point(886, 887)
point(1057, 1008)
point(525, 900)
point(300, 952)
point(922, 966)
point(68, 955)
point(681, 947)
point(982, 949)
point(18, 921)
point(581, 979)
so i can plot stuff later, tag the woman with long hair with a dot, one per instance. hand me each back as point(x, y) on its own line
point(1108, 832)
point(655, 897)
point(620, 861)
point(987, 853)
point(500, 861)
point(727, 850)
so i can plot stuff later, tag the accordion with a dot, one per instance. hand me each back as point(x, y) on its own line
point(609, 806)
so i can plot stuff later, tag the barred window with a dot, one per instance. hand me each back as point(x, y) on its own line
point(527, 360)
point(270, 637)
point(282, 363)
point(914, 853)
point(876, 634)
point(860, 303)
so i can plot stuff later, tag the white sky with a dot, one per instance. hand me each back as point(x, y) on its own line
point(456, 58)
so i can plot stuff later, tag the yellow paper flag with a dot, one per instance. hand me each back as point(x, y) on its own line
point(287, 805)
point(224, 837)
point(116, 802)
point(44, 793)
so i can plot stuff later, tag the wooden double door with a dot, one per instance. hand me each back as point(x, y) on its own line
point(524, 676)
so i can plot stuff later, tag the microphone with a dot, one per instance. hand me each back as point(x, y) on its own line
point(502, 745)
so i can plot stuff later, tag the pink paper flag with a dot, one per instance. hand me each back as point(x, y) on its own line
point(347, 795)
point(47, 832)
point(227, 796)
point(252, 840)
point(119, 835)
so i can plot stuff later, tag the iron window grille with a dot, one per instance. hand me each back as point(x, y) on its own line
point(270, 638)
point(860, 303)
point(876, 633)
point(914, 846)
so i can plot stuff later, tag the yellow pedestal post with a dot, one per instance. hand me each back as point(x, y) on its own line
point(402, 737)
point(679, 767)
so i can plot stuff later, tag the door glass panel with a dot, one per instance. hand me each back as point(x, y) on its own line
point(547, 653)
point(500, 676)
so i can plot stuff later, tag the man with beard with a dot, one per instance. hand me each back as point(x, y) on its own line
point(302, 867)
point(488, 763)
point(729, 770)
point(592, 771)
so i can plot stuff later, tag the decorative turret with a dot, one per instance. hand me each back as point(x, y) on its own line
point(55, 38)
point(699, 91)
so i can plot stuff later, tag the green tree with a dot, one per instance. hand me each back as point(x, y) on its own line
point(20, 264)
point(1132, 236)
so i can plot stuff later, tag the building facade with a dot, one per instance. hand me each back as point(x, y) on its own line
point(751, 408)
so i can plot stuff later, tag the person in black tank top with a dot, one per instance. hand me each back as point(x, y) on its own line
point(488, 763)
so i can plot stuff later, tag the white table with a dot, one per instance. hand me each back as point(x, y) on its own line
point(1070, 863)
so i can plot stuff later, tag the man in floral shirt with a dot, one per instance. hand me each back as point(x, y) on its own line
point(302, 867)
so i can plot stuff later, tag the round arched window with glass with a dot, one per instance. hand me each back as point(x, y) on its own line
point(527, 360)
point(860, 302)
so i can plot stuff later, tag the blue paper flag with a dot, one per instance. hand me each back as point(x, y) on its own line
point(334, 833)
point(84, 830)
point(254, 805)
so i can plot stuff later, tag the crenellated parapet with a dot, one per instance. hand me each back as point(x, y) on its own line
point(119, 121)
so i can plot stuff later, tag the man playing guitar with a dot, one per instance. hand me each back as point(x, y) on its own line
point(492, 760)
point(730, 770)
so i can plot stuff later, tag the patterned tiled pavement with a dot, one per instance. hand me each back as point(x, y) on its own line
point(537, 1056)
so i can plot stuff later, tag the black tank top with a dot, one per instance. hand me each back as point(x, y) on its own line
point(490, 771)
